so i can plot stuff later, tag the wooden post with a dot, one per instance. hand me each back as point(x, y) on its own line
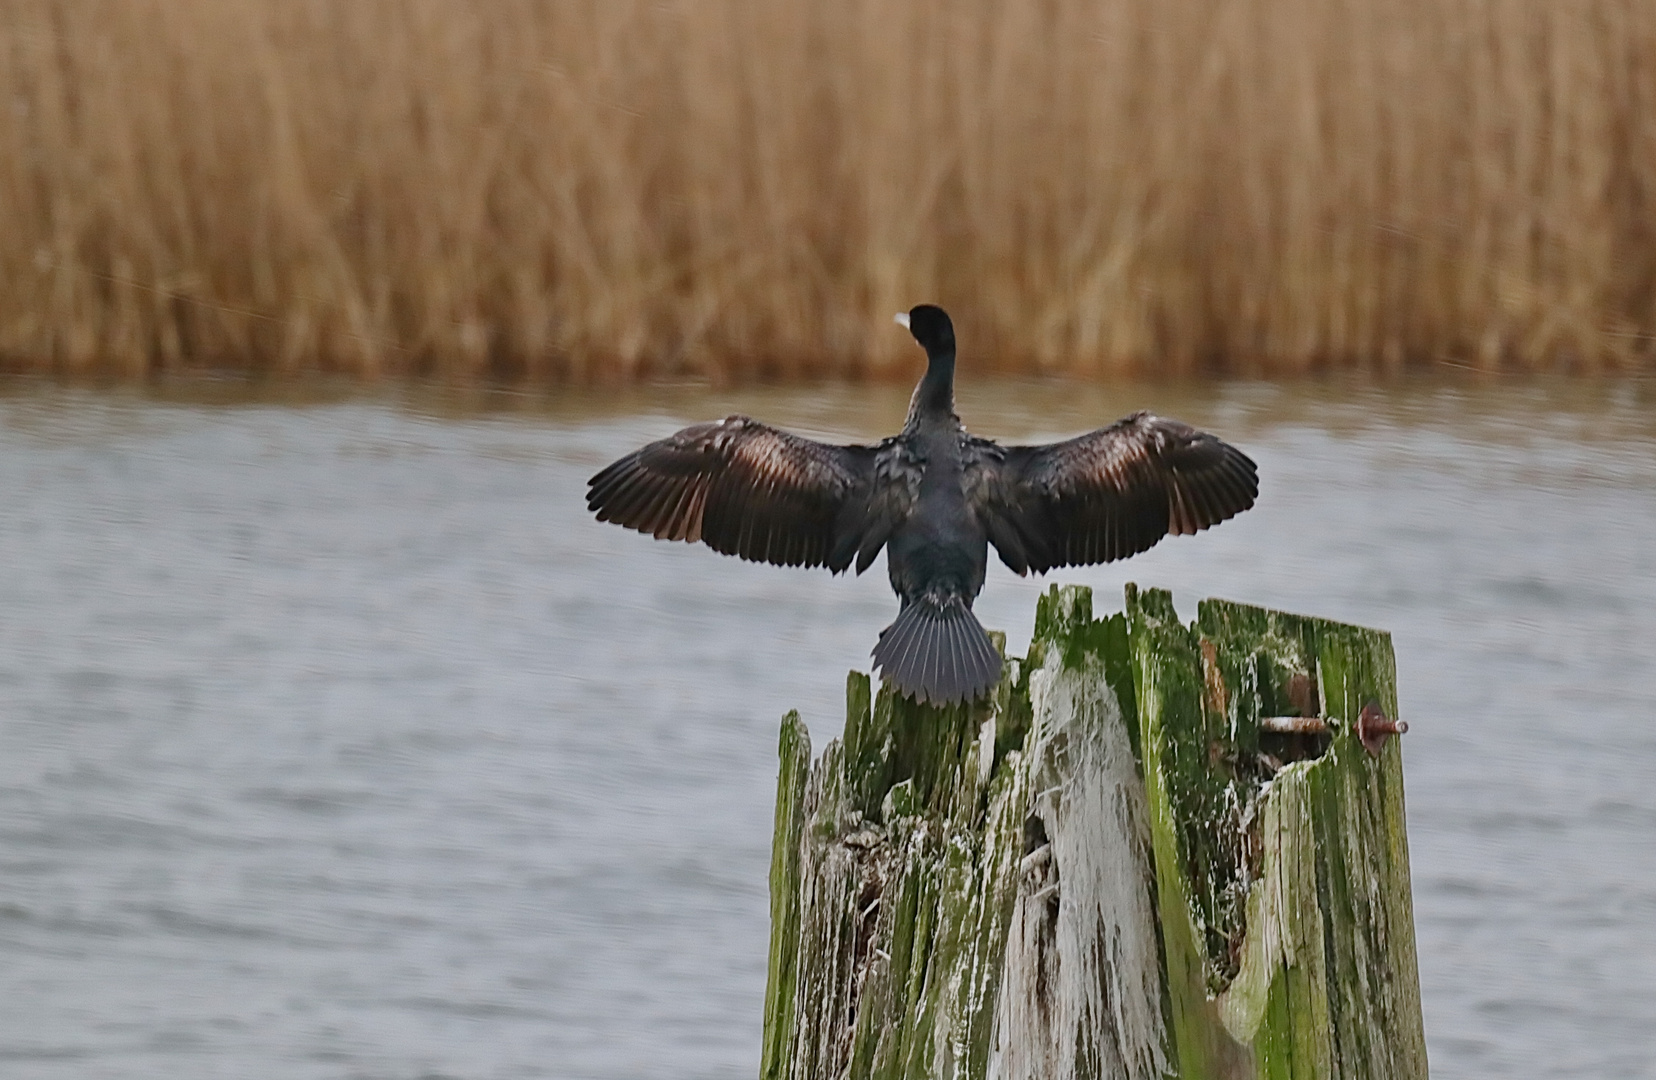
point(1128, 863)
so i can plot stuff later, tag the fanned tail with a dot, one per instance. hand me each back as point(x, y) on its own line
point(938, 652)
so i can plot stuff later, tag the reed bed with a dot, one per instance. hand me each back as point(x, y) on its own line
point(598, 190)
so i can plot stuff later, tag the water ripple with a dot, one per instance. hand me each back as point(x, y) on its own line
point(336, 741)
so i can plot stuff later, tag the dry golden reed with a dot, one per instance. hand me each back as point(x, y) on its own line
point(599, 189)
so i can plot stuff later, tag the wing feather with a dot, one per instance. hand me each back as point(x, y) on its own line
point(1105, 495)
point(745, 489)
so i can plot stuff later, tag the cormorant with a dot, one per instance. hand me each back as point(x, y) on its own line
point(934, 497)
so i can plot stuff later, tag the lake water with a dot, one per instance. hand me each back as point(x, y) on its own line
point(337, 741)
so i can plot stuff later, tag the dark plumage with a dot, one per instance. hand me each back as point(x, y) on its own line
point(934, 497)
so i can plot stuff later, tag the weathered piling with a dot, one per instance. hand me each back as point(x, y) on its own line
point(1158, 850)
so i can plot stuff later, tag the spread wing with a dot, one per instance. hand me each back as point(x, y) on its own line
point(743, 489)
point(1105, 495)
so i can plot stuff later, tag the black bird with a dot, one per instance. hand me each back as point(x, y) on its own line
point(934, 497)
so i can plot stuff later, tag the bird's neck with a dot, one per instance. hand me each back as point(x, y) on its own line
point(934, 397)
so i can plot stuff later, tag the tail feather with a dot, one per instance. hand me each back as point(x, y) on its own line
point(938, 652)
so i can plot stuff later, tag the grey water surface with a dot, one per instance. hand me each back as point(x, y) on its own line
point(336, 740)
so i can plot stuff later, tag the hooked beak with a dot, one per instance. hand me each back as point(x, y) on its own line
point(903, 319)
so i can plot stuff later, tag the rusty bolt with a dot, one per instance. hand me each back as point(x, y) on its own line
point(1373, 728)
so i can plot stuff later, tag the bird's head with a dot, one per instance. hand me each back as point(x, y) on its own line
point(931, 327)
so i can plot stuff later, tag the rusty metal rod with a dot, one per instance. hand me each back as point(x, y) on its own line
point(1294, 725)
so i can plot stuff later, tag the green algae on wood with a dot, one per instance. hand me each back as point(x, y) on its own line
point(1331, 950)
point(794, 750)
point(1282, 860)
point(1107, 869)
